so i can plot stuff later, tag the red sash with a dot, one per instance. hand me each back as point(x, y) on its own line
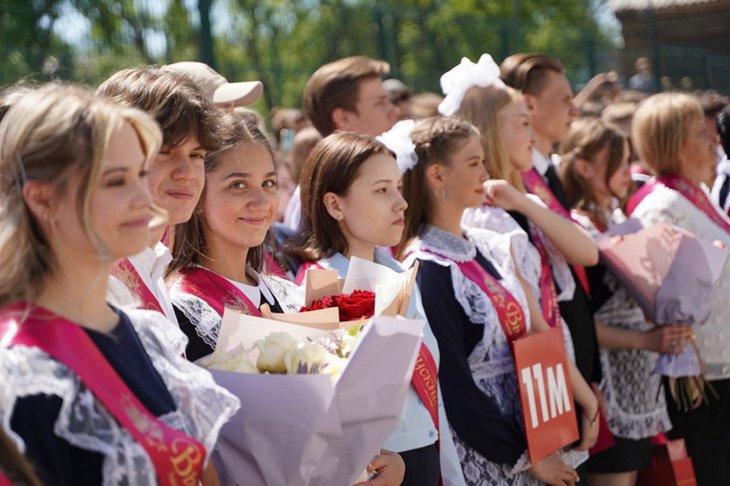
point(548, 293)
point(272, 266)
point(4, 481)
point(215, 290)
point(128, 275)
point(536, 185)
point(425, 381)
point(178, 458)
point(509, 310)
point(692, 193)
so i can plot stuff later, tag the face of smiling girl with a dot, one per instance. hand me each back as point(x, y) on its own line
point(240, 198)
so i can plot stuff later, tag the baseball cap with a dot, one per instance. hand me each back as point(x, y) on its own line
point(216, 87)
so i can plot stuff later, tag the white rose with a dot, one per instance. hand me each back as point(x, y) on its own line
point(347, 344)
point(306, 358)
point(236, 360)
point(334, 366)
point(272, 350)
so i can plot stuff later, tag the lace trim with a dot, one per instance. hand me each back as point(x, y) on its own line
point(289, 295)
point(205, 320)
point(202, 407)
point(447, 244)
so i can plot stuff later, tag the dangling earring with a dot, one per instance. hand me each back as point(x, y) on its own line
point(440, 194)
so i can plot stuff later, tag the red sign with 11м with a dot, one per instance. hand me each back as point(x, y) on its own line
point(545, 391)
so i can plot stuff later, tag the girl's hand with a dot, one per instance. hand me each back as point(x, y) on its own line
point(502, 194)
point(668, 339)
point(389, 470)
point(552, 470)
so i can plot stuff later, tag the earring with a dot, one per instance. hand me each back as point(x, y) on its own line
point(440, 193)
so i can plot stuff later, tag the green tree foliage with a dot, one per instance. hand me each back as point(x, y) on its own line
point(281, 42)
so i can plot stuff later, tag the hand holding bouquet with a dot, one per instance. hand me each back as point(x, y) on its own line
point(671, 274)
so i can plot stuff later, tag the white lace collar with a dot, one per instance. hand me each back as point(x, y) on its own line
point(447, 244)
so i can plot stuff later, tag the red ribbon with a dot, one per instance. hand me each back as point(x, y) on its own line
point(536, 185)
point(691, 192)
point(128, 275)
point(509, 310)
point(425, 381)
point(178, 458)
point(214, 290)
point(548, 293)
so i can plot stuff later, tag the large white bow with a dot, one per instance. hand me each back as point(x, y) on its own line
point(465, 75)
point(398, 140)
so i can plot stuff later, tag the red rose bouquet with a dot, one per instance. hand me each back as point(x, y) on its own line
point(360, 304)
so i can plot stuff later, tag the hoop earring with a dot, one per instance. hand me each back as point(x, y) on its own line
point(440, 194)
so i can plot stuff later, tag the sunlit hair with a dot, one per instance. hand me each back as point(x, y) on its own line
point(660, 128)
point(587, 138)
point(189, 241)
point(175, 102)
point(52, 135)
point(332, 166)
point(529, 72)
point(337, 85)
point(481, 107)
point(436, 140)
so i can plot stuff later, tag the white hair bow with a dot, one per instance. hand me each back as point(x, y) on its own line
point(465, 75)
point(398, 140)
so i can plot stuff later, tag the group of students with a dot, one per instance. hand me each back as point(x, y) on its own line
point(142, 210)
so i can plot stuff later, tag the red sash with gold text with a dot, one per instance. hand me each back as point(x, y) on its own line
point(425, 381)
point(509, 310)
point(178, 458)
point(692, 193)
point(128, 275)
point(214, 290)
point(536, 185)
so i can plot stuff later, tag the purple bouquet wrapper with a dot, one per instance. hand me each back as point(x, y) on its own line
point(671, 274)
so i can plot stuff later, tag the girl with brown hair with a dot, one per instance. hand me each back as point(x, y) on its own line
point(596, 177)
point(217, 255)
point(351, 204)
point(477, 372)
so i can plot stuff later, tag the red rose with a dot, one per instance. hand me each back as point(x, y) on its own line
point(358, 305)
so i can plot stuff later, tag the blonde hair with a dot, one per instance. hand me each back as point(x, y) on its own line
point(50, 135)
point(481, 107)
point(660, 127)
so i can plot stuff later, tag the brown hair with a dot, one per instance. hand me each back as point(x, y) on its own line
point(177, 104)
point(527, 72)
point(337, 85)
point(12, 463)
point(304, 142)
point(481, 107)
point(587, 138)
point(333, 166)
point(436, 139)
point(188, 243)
point(49, 135)
point(660, 129)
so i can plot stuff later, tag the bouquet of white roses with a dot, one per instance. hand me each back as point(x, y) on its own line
point(297, 425)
